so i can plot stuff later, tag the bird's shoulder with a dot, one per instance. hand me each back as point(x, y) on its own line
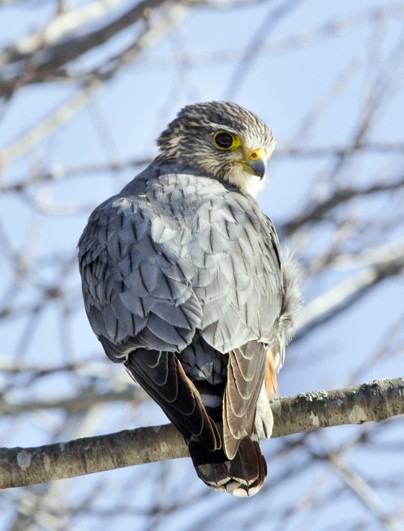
point(175, 199)
point(176, 246)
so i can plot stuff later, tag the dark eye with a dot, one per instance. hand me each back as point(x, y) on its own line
point(224, 140)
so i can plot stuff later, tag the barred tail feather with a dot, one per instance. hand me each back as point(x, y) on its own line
point(242, 476)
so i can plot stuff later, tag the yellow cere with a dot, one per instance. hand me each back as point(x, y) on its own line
point(256, 154)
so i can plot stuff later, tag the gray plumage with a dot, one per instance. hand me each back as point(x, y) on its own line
point(183, 283)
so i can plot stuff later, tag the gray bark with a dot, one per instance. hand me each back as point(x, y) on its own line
point(374, 401)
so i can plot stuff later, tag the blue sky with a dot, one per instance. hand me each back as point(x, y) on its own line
point(310, 79)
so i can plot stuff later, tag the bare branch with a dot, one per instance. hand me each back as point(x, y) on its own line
point(76, 404)
point(375, 401)
point(340, 151)
point(318, 210)
point(327, 305)
point(253, 49)
point(59, 51)
point(364, 492)
point(58, 173)
point(35, 135)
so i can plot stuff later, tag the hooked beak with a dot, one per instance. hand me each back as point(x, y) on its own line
point(255, 162)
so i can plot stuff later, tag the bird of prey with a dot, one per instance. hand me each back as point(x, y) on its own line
point(184, 283)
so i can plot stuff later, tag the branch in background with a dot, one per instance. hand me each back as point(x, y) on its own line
point(301, 39)
point(339, 151)
point(67, 110)
point(318, 210)
point(336, 299)
point(48, 126)
point(58, 173)
point(51, 50)
point(375, 401)
point(76, 404)
point(63, 25)
point(315, 213)
point(365, 493)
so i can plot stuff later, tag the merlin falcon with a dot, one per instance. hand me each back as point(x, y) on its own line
point(184, 283)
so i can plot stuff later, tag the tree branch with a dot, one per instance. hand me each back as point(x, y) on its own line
point(317, 210)
point(374, 401)
point(335, 300)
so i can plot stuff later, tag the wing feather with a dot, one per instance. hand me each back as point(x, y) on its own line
point(164, 379)
point(245, 376)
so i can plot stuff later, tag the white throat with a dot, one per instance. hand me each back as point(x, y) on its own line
point(245, 181)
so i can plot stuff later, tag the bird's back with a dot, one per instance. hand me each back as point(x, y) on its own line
point(175, 253)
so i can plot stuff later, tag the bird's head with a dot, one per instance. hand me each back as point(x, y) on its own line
point(220, 139)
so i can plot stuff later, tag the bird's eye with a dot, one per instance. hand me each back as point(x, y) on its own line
point(225, 140)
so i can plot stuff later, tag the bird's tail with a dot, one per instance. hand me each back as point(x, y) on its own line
point(242, 476)
point(163, 377)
